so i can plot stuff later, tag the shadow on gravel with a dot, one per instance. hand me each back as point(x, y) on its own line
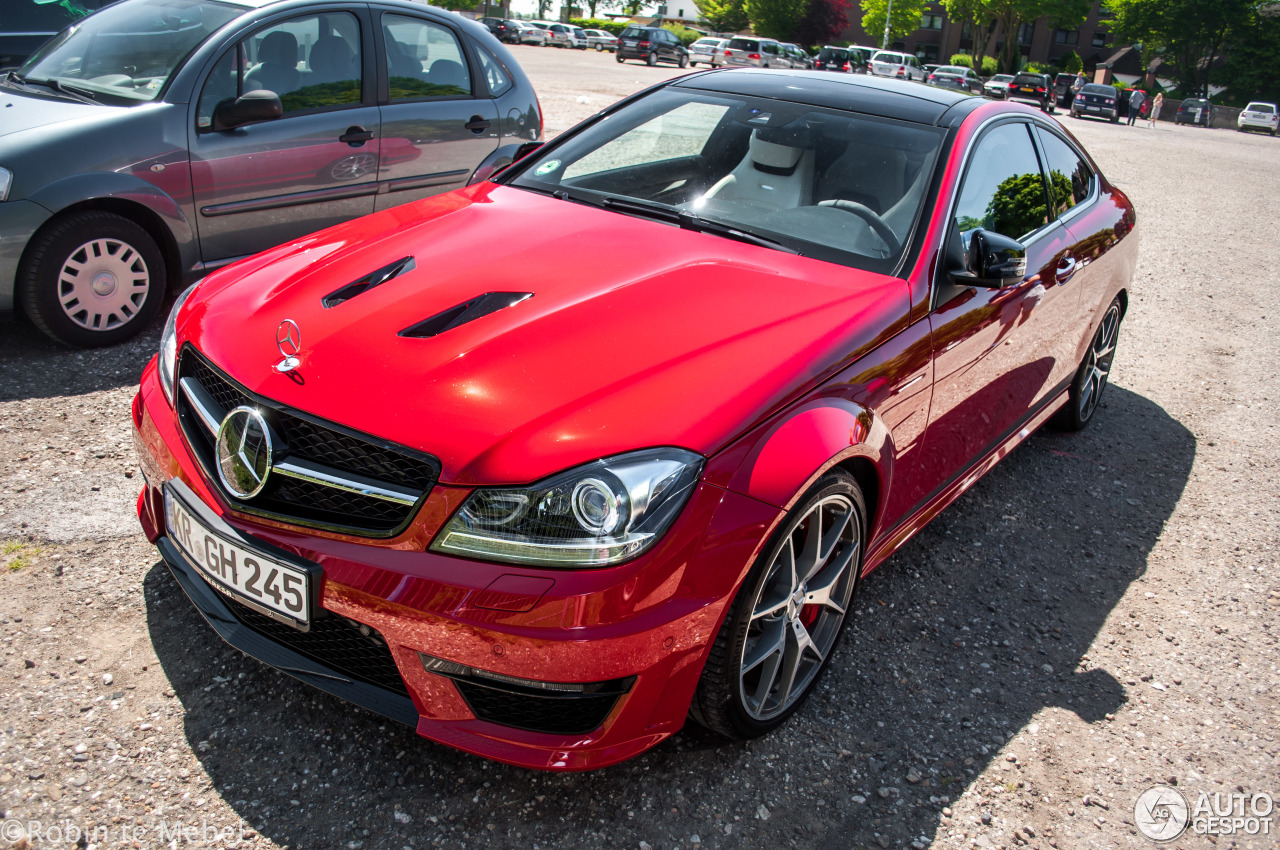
point(984, 619)
point(34, 366)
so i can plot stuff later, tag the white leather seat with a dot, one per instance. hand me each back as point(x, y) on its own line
point(771, 176)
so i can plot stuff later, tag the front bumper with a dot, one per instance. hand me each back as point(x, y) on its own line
point(19, 220)
point(648, 623)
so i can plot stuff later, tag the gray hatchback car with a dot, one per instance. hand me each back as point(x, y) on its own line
point(157, 140)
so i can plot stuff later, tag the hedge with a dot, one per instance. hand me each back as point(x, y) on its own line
point(611, 27)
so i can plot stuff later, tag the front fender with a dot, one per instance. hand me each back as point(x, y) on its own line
point(128, 189)
point(780, 461)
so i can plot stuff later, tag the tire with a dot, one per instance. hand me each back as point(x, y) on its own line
point(619, 58)
point(651, 59)
point(683, 61)
point(599, 48)
point(115, 283)
point(1091, 376)
point(770, 601)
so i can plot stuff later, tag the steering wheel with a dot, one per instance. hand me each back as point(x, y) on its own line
point(872, 219)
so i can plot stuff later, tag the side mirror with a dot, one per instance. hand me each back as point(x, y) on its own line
point(992, 261)
point(526, 149)
point(252, 107)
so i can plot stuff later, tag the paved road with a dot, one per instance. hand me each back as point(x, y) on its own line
point(1098, 614)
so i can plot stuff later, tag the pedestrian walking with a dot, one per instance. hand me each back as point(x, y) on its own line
point(1156, 106)
point(1136, 100)
point(1077, 84)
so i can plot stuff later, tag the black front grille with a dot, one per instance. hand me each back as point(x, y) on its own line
point(304, 502)
point(551, 712)
point(334, 642)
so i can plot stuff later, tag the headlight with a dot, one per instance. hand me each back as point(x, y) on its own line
point(593, 515)
point(169, 345)
point(6, 180)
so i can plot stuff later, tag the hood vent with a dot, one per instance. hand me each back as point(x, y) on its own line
point(481, 305)
point(369, 281)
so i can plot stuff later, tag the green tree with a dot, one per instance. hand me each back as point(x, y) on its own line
point(1191, 34)
point(1071, 62)
point(1011, 14)
point(1018, 205)
point(1251, 69)
point(631, 7)
point(775, 18)
point(723, 15)
point(980, 18)
point(905, 20)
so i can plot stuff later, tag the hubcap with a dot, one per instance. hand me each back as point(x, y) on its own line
point(103, 284)
point(797, 613)
point(1098, 362)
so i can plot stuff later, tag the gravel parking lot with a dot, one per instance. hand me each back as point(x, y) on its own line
point(1097, 615)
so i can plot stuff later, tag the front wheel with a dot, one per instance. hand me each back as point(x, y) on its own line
point(92, 278)
point(1093, 373)
point(782, 626)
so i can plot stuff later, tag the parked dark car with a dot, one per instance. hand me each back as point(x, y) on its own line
point(1062, 89)
point(955, 77)
point(1194, 110)
point(1097, 101)
point(25, 25)
point(840, 59)
point(651, 45)
point(1036, 89)
point(159, 139)
point(502, 29)
point(798, 56)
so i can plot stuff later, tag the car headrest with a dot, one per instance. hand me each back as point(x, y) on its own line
point(279, 48)
point(773, 154)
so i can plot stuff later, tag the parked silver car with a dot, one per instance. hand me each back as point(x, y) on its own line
point(159, 139)
point(567, 35)
point(903, 66)
point(755, 52)
point(601, 40)
point(708, 50)
point(528, 33)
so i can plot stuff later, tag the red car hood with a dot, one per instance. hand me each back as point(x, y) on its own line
point(638, 333)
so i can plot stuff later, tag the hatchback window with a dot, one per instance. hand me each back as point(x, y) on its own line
point(790, 173)
point(635, 32)
point(127, 52)
point(1261, 107)
point(744, 44)
point(424, 59)
point(1003, 188)
point(1098, 88)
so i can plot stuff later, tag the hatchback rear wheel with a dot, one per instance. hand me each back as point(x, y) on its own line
point(782, 627)
point(92, 278)
point(651, 59)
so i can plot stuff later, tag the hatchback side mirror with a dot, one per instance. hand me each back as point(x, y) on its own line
point(992, 260)
point(252, 107)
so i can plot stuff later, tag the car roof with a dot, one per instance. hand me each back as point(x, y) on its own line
point(868, 95)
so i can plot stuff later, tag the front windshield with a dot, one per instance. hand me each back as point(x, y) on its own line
point(127, 51)
point(824, 183)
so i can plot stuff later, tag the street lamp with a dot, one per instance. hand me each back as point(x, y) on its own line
point(884, 45)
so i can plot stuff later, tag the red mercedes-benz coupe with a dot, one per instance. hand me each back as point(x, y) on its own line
point(545, 511)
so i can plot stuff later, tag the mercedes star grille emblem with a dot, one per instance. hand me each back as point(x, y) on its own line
point(244, 452)
point(289, 341)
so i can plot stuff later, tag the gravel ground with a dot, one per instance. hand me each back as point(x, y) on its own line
point(1096, 615)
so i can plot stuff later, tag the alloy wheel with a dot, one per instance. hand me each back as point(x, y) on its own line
point(1098, 362)
point(799, 608)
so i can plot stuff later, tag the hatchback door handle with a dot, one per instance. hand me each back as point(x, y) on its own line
point(356, 136)
point(478, 124)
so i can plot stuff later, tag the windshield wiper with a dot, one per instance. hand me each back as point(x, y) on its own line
point(62, 89)
point(689, 221)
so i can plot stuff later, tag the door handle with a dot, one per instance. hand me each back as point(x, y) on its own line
point(478, 124)
point(356, 136)
point(1066, 269)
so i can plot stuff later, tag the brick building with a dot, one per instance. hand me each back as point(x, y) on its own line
point(938, 38)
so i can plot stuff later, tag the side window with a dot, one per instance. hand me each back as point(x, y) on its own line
point(312, 62)
point(1070, 180)
point(1003, 188)
point(424, 59)
point(495, 76)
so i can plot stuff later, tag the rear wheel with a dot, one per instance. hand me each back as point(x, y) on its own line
point(1093, 373)
point(92, 278)
point(599, 47)
point(782, 626)
point(619, 58)
point(683, 61)
point(651, 59)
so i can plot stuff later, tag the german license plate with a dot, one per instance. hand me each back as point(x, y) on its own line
point(241, 572)
point(1029, 91)
point(1093, 108)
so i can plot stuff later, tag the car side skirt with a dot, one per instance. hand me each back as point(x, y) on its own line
point(891, 541)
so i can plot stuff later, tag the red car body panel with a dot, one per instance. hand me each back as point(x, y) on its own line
point(623, 348)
